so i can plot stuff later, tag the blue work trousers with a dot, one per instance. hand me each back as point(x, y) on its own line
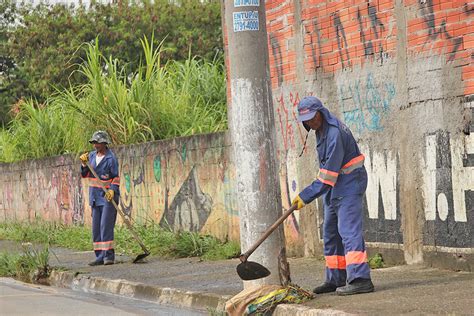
point(344, 247)
point(103, 223)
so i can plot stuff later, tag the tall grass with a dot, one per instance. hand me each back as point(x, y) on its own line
point(29, 266)
point(155, 102)
point(161, 241)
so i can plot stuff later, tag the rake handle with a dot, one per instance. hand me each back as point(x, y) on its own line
point(119, 210)
point(243, 257)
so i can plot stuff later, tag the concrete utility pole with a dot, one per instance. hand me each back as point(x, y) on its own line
point(252, 130)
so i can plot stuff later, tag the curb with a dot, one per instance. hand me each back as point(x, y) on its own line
point(301, 310)
point(167, 296)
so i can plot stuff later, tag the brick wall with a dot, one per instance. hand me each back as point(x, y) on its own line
point(400, 75)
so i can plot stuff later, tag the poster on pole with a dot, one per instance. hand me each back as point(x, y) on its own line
point(246, 3)
point(245, 21)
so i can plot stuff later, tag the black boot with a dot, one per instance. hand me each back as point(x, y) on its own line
point(324, 288)
point(356, 287)
point(96, 263)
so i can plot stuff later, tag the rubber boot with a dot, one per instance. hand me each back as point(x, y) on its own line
point(324, 288)
point(357, 286)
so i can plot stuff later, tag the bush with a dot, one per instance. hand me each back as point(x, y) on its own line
point(39, 53)
point(156, 102)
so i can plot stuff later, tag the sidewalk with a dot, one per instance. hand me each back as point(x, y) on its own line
point(206, 285)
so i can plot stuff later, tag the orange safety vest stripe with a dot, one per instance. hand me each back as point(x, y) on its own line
point(353, 164)
point(326, 181)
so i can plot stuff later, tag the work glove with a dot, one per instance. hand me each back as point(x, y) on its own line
point(298, 202)
point(109, 195)
point(84, 158)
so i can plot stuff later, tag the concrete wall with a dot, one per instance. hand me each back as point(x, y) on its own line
point(184, 183)
point(400, 74)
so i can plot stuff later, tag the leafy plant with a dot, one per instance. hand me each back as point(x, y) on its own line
point(376, 261)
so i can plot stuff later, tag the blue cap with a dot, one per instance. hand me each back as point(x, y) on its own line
point(308, 107)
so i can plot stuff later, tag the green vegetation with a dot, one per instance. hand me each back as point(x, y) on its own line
point(376, 261)
point(160, 241)
point(29, 266)
point(39, 52)
point(157, 102)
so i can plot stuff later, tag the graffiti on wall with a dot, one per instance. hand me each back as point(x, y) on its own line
point(439, 31)
point(342, 45)
point(35, 191)
point(377, 28)
point(344, 36)
point(448, 193)
point(448, 188)
point(364, 104)
point(291, 133)
point(277, 57)
point(190, 208)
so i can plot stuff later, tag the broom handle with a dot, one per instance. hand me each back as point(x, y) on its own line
point(243, 257)
point(119, 210)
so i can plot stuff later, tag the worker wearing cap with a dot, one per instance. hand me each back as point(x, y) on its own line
point(104, 213)
point(341, 181)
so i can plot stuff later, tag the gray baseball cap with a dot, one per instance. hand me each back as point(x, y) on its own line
point(100, 137)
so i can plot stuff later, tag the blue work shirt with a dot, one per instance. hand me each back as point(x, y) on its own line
point(341, 164)
point(108, 172)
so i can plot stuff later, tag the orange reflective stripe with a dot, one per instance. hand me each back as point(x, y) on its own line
point(104, 245)
point(335, 262)
point(116, 180)
point(327, 176)
point(94, 185)
point(329, 172)
point(353, 164)
point(326, 181)
point(356, 257)
point(93, 182)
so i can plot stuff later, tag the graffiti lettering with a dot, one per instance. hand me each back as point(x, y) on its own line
point(382, 182)
point(317, 61)
point(341, 33)
point(363, 106)
point(426, 8)
point(448, 189)
point(288, 121)
point(377, 29)
point(277, 56)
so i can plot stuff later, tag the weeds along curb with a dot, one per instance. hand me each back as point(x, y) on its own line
point(165, 296)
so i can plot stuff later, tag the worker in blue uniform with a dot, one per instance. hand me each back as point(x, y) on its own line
point(104, 213)
point(341, 181)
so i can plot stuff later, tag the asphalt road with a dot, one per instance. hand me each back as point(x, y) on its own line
point(18, 298)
